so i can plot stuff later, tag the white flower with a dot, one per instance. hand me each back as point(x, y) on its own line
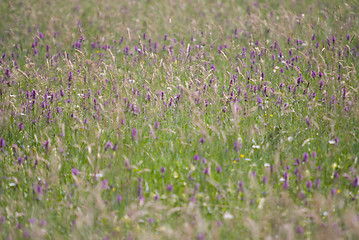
point(227, 215)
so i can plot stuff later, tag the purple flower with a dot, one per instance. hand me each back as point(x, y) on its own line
point(299, 230)
point(309, 184)
point(39, 188)
point(336, 140)
point(314, 74)
point(333, 191)
point(21, 126)
point(314, 154)
point(119, 198)
point(163, 170)
point(305, 157)
point(32, 220)
point(237, 145)
point(202, 140)
point(134, 134)
point(2, 143)
point(206, 171)
point(20, 160)
point(317, 183)
point(150, 220)
point(104, 184)
point(204, 161)
point(169, 187)
point(157, 125)
point(75, 171)
point(196, 157)
point(285, 185)
point(260, 101)
point(355, 182)
point(46, 145)
point(41, 35)
point(108, 145)
point(213, 67)
point(308, 122)
point(157, 197)
point(219, 169)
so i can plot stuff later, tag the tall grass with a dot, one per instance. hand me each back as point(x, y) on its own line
point(179, 120)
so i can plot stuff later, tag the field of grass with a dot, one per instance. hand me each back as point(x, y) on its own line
point(179, 119)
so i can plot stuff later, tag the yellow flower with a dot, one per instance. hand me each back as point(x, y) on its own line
point(271, 115)
point(234, 161)
point(59, 103)
point(242, 156)
point(338, 191)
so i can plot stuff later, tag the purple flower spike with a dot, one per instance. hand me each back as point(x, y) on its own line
point(119, 198)
point(285, 185)
point(21, 126)
point(157, 125)
point(308, 122)
point(333, 191)
point(309, 184)
point(305, 157)
point(75, 171)
point(163, 169)
point(219, 169)
point(237, 146)
point(213, 67)
point(2, 143)
point(169, 187)
point(104, 184)
point(299, 230)
point(108, 145)
point(196, 157)
point(355, 182)
point(202, 140)
point(134, 134)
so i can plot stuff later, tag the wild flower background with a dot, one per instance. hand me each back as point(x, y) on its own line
point(179, 119)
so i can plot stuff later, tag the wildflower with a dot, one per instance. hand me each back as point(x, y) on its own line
point(169, 187)
point(2, 143)
point(21, 126)
point(237, 146)
point(108, 145)
point(219, 169)
point(299, 230)
point(308, 122)
point(134, 134)
point(119, 199)
point(104, 184)
point(196, 157)
point(355, 182)
point(333, 191)
point(163, 170)
point(305, 157)
point(317, 183)
point(75, 171)
point(285, 185)
point(157, 125)
point(46, 145)
point(309, 184)
point(157, 197)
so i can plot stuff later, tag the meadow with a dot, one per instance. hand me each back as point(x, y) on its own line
point(179, 119)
